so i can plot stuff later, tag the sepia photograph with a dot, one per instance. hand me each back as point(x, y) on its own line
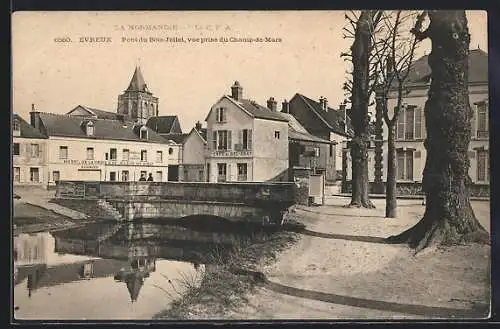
point(250, 165)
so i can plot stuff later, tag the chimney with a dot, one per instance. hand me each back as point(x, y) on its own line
point(325, 104)
point(272, 104)
point(237, 91)
point(197, 126)
point(35, 118)
point(285, 107)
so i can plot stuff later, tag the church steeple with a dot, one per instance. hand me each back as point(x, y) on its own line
point(137, 103)
point(137, 82)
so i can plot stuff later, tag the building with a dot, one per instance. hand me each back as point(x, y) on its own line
point(246, 141)
point(306, 151)
point(194, 149)
point(93, 149)
point(411, 133)
point(29, 154)
point(137, 103)
point(324, 122)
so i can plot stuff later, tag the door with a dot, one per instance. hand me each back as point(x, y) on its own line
point(173, 173)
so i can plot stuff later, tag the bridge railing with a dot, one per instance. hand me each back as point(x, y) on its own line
point(234, 192)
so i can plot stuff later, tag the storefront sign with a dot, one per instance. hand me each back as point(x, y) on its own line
point(85, 162)
point(233, 154)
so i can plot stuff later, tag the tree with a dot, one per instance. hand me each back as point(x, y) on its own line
point(361, 88)
point(395, 51)
point(449, 218)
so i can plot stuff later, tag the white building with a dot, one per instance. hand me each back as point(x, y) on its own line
point(88, 148)
point(29, 153)
point(246, 141)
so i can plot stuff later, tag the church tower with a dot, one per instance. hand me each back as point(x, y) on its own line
point(137, 103)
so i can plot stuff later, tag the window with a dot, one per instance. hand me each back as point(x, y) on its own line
point(409, 123)
point(222, 139)
point(144, 174)
point(220, 114)
point(144, 155)
point(90, 129)
point(170, 150)
point(483, 166)
point(16, 126)
point(90, 153)
point(35, 150)
point(158, 176)
point(63, 152)
point(15, 149)
point(113, 155)
point(56, 175)
point(482, 120)
point(159, 156)
point(126, 154)
point(242, 171)
point(332, 150)
point(222, 172)
point(404, 165)
point(125, 176)
point(17, 174)
point(144, 133)
point(34, 175)
point(277, 134)
point(112, 176)
point(245, 139)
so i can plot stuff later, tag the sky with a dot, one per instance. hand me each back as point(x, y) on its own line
point(187, 77)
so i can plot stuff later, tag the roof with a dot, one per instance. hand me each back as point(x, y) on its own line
point(259, 111)
point(162, 124)
point(298, 132)
point(27, 131)
point(137, 82)
point(71, 126)
point(203, 133)
point(178, 138)
point(332, 118)
point(93, 112)
point(478, 68)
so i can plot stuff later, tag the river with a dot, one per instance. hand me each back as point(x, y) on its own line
point(109, 271)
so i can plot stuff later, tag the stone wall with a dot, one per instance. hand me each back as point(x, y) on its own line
point(411, 189)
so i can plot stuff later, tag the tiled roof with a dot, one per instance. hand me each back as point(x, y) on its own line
point(178, 138)
point(298, 132)
point(258, 111)
point(333, 118)
point(103, 114)
point(478, 68)
point(27, 131)
point(69, 126)
point(162, 124)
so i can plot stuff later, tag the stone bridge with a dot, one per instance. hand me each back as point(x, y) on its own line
point(237, 201)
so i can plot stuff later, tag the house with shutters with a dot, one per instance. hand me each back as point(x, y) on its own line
point(29, 154)
point(411, 132)
point(245, 141)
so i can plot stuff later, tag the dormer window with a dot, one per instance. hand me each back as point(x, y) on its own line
point(143, 133)
point(16, 127)
point(90, 128)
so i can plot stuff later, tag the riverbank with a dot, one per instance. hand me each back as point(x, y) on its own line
point(340, 268)
point(29, 218)
point(223, 288)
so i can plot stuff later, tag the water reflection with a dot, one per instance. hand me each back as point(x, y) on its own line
point(110, 271)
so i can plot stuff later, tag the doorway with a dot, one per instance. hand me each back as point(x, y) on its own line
point(173, 173)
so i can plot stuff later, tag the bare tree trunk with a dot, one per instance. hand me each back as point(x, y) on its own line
point(448, 218)
point(390, 194)
point(359, 151)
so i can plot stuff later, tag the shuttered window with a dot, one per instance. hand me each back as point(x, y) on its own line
point(404, 165)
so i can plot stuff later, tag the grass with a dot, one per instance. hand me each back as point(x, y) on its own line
point(220, 290)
